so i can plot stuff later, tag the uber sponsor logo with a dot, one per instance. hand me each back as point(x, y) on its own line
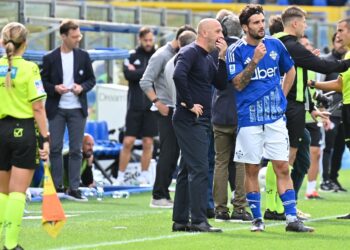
point(260, 74)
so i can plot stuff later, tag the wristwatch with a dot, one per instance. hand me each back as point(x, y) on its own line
point(155, 100)
point(45, 138)
point(222, 58)
point(312, 84)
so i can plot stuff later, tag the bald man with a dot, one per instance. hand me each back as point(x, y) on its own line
point(87, 179)
point(195, 73)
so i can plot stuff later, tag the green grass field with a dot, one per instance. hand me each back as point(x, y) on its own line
point(132, 224)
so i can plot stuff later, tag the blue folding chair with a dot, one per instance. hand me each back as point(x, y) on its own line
point(104, 149)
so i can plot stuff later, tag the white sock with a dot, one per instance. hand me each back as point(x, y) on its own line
point(120, 175)
point(311, 187)
point(291, 218)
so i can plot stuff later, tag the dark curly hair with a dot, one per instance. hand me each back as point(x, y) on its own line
point(248, 11)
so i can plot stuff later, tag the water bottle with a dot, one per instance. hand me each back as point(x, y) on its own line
point(120, 194)
point(99, 191)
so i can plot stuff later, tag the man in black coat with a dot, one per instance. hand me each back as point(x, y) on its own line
point(67, 76)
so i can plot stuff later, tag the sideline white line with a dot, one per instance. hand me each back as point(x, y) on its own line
point(172, 236)
point(39, 217)
point(104, 211)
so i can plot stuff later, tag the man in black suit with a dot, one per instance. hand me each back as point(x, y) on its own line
point(67, 76)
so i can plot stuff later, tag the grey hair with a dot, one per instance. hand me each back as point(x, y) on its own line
point(222, 13)
point(186, 38)
point(233, 26)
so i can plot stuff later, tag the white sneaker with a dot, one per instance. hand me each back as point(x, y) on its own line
point(118, 181)
point(144, 178)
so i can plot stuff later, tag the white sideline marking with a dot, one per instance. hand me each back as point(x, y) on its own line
point(103, 211)
point(172, 236)
point(72, 212)
point(39, 217)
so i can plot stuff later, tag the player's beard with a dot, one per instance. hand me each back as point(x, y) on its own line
point(87, 155)
point(148, 48)
point(256, 36)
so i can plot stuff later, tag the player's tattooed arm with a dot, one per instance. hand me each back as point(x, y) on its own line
point(243, 79)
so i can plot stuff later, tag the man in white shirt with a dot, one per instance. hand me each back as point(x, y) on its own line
point(67, 76)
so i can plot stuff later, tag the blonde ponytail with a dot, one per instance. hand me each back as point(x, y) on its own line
point(10, 49)
point(13, 36)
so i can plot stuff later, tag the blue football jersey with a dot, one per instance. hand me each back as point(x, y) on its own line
point(262, 101)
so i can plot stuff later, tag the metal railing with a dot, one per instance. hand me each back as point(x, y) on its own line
point(45, 37)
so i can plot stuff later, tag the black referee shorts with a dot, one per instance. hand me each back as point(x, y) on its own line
point(315, 133)
point(18, 144)
point(295, 122)
point(141, 123)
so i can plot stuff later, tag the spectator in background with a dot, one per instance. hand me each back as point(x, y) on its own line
point(140, 121)
point(195, 72)
point(224, 120)
point(275, 24)
point(87, 178)
point(162, 93)
point(67, 76)
point(335, 145)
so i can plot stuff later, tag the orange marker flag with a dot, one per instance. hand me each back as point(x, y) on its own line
point(52, 211)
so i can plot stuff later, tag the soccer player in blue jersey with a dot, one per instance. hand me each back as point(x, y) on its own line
point(255, 64)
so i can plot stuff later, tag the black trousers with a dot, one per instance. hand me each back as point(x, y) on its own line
point(169, 154)
point(338, 151)
point(302, 162)
point(191, 196)
point(333, 152)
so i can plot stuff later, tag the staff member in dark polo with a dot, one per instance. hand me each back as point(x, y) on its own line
point(195, 72)
point(21, 95)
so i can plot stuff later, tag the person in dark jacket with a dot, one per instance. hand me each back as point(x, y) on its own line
point(335, 145)
point(140, 121)
point(224, 120)
point(195, 73)
point(67, 76)
point(294, 23)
